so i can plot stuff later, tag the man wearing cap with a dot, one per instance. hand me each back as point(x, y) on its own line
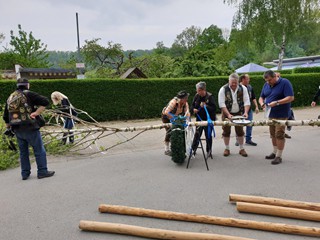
point(234, 101)
point(177, 106)
point(26, 128)
point(202, 100)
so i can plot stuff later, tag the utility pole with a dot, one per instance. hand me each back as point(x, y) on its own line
point(79, 64)
point(77, 20)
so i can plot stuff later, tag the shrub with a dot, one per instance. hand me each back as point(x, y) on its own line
point(307, 70)
point(106, 99)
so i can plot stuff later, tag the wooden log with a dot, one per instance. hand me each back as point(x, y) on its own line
point(231, 222)
point(278, 211)
point(274, 201)
point(153, 233)
point(96, 128)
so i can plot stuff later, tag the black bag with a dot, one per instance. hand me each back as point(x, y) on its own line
point(40, 120)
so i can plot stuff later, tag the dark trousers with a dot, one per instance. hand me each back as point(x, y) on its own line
point(197, 138)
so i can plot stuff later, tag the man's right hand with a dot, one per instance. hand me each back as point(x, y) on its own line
point(195, 111)
point(313, 104)
point(229, 116)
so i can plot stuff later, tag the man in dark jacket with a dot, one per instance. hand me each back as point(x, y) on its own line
point(315, 98)
point(202, 100)
point(20, 116)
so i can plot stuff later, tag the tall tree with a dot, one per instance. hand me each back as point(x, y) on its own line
point(98, 56)
point(210, 38)
point(278, 19)
point(160, 48)
point(31, 51)
point(185, 41)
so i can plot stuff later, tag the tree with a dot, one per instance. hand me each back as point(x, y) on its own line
point(1, 37)
point(8, 60)
point(199, 63)
point(277, 19)
point(185, 41)
point(210, 38)
point(308, 40)
point(31, 52)
point(160, 48)
point(98, 56)
point(154, 65)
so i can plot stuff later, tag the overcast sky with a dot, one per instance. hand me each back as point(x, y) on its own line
point(135, 24)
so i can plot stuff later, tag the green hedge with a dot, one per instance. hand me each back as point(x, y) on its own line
point(307, 70)
point(135, 99)
point(286, 71)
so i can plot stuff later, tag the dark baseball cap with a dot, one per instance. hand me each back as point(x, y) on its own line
point(182, 94)
point(22, 82)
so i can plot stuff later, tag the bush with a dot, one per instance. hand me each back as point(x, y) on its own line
point(307, 70)
point(106, 99)
point(8, 158)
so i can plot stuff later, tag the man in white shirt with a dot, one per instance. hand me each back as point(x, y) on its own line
point(234, 101)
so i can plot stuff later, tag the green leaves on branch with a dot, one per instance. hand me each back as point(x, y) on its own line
point(28, 51)
point(275, 21)
point(97, 56)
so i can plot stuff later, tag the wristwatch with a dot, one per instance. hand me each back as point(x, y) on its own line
point(278, 103)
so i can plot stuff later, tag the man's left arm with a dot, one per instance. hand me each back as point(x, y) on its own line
point(254, 100)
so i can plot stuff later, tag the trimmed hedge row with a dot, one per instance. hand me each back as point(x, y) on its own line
point(136, 99)
point(294, 70)
point(307, 70)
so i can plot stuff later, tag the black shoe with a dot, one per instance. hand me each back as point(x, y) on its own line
point(251, 143)
point(276, 161)
point(287, 136)
point(48, 174)
point(209, 154)
point(25, 177)
point(236, 144)
point(271, 156)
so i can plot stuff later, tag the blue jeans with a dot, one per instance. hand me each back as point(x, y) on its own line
point(249, 128)
point(32, 138)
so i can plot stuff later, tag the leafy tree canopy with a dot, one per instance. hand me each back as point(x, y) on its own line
point(278, 20)
point(30, 52)
point(98, 56)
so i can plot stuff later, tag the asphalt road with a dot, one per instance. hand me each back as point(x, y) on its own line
point(138, 174)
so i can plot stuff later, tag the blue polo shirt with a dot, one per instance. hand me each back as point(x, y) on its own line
point(280, 90)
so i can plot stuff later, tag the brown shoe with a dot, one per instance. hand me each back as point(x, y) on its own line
point(287, 136)
point(276, 161)
point(226, 152)
point(271, 156)
point(243, 153)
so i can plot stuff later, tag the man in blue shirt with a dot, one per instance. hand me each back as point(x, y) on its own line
point(276, 96)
